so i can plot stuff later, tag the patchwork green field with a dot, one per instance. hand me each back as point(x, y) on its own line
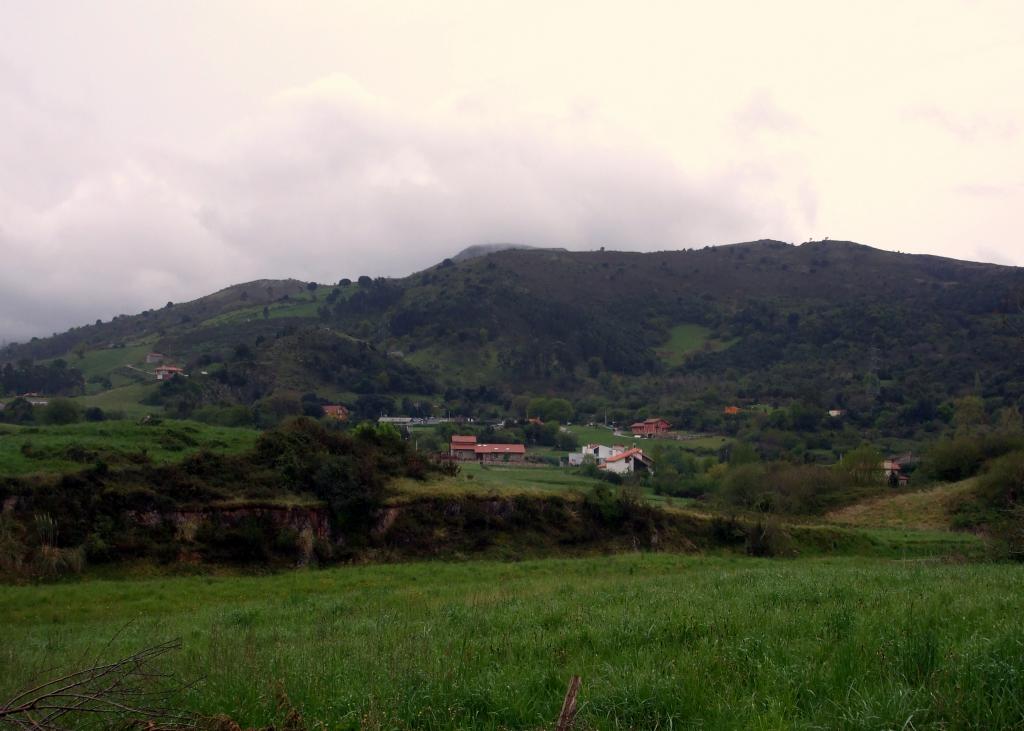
point(54, 449)
point(661, 641)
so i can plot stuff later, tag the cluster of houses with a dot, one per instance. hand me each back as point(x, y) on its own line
point(465, 448)
point(618, 459)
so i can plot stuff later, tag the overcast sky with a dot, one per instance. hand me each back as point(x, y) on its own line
point(154, 151)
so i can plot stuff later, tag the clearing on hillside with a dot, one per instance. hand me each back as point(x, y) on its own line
point(684, 340)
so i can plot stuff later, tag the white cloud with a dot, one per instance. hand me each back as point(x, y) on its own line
point(161, 151)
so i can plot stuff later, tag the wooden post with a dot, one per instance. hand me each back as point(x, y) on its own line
point(568, 714)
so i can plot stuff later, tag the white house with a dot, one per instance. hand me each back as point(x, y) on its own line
point(632, 460)
point(594, 452)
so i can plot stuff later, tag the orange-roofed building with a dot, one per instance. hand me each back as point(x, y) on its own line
point(500, 452)
point(650, 428)
point(732, 410)
point(463, 447)
point(336, 411)
point(167, 372)
point(632, 460)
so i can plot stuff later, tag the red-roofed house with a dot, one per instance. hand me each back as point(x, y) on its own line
point(650, 428)
point(166, 373)
point(632, 460)
point(463, 447)
point(500, 452)
point(336, 411)
point(732, 410)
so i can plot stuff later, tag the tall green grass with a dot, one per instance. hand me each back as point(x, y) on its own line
point(53, 449)
point(661, 641)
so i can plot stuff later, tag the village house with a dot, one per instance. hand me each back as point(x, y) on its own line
point(336, 411)
point(632, 460)
point(732, 410)
point(166, 372)
point(650, 428)
point(463, 447)
point(154, 358)
point(894, 469)
point(500, 452)
point(597, 453)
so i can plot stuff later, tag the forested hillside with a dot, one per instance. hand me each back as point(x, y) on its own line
point(890, 339)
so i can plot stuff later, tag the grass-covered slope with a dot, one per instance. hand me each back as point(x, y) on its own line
point(929, 509)
point(660, 641)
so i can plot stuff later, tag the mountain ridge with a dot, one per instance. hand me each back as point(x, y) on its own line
point(679, 332)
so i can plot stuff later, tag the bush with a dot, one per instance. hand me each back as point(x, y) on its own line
point(955, 459)
point(224, 415)
point(62, 411)
point(94, 413)
point(769, 539)
point(1002, 485)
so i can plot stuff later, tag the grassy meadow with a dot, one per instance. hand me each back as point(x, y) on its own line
point(506, 481)
point(54, 449)
point(661, 641)
point(603, 435)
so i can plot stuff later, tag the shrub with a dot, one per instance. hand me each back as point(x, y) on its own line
point(769, 539)
point(94, 413)
point(1002, 485)
point(62, 411)
point(954, 459)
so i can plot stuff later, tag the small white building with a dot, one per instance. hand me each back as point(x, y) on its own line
point(594, 453)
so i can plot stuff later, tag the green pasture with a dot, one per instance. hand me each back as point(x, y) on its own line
point(501, 480)
point(601, 435)
point(660, 642)
point(53, 449)
point(126, 399)
point(103, 361)
point(294, 307)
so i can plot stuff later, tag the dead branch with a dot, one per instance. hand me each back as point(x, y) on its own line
point(130, 691)
point(568, 715)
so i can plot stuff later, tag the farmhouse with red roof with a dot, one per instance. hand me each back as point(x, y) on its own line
point(650, 428)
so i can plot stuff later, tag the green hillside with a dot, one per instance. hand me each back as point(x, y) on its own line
point(791, 330)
